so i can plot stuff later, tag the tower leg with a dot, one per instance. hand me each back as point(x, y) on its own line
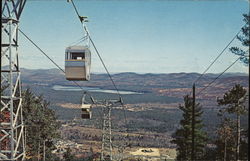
point(106, 134)
point(11, 120)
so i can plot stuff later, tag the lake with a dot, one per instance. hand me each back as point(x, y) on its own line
point(90, 89)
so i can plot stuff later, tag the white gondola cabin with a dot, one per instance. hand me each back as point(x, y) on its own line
point(77, 63)
point(86, 111)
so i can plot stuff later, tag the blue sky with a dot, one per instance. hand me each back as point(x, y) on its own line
point(144, 36)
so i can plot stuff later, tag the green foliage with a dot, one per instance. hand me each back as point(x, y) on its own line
point(234, 100)
point(41, 126)
point(67, 156)
point(244, 39)
point(225, 143)
point(244, 145)
point(183, 135)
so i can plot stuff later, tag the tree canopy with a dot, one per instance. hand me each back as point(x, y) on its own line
point(41, 126)
point(244, 39)
point(183, 135)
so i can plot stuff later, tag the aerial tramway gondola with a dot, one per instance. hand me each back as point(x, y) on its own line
point(86, 109)
point(77, 63)
point(77, 67)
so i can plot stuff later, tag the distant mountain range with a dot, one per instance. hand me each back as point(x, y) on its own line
point(172, 84)
point(158, 93)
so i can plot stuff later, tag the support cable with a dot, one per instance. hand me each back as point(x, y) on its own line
point(75, 9)
point(97, 52)
point(26, 36)
point(47, 56)
point(219, 55)
point(120, 97)
point(85, 92)
point(78, 41)
point(41, 50)
point(218, 76)
point(106, 69)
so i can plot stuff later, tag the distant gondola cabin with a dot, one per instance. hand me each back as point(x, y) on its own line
point(86, 111)
point(77, 63)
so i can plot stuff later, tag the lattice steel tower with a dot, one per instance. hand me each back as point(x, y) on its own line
point(107, 146)
point(12, 139)
point(106, 154)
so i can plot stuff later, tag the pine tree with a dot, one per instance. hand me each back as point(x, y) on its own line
point(244, 39)
point(244, 145)
point(67, 156)
point(183, 135)
point(225, 144)
point(233, 102)
point(41, 127)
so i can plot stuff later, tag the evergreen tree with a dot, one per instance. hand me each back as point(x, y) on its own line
point(183, 135)
point(244, 145)
point(233, 102)
point(67, 156)
point(41, 126)
point(244, 39)
point(225, 143)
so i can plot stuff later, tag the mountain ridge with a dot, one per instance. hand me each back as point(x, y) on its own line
point(172, 84)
